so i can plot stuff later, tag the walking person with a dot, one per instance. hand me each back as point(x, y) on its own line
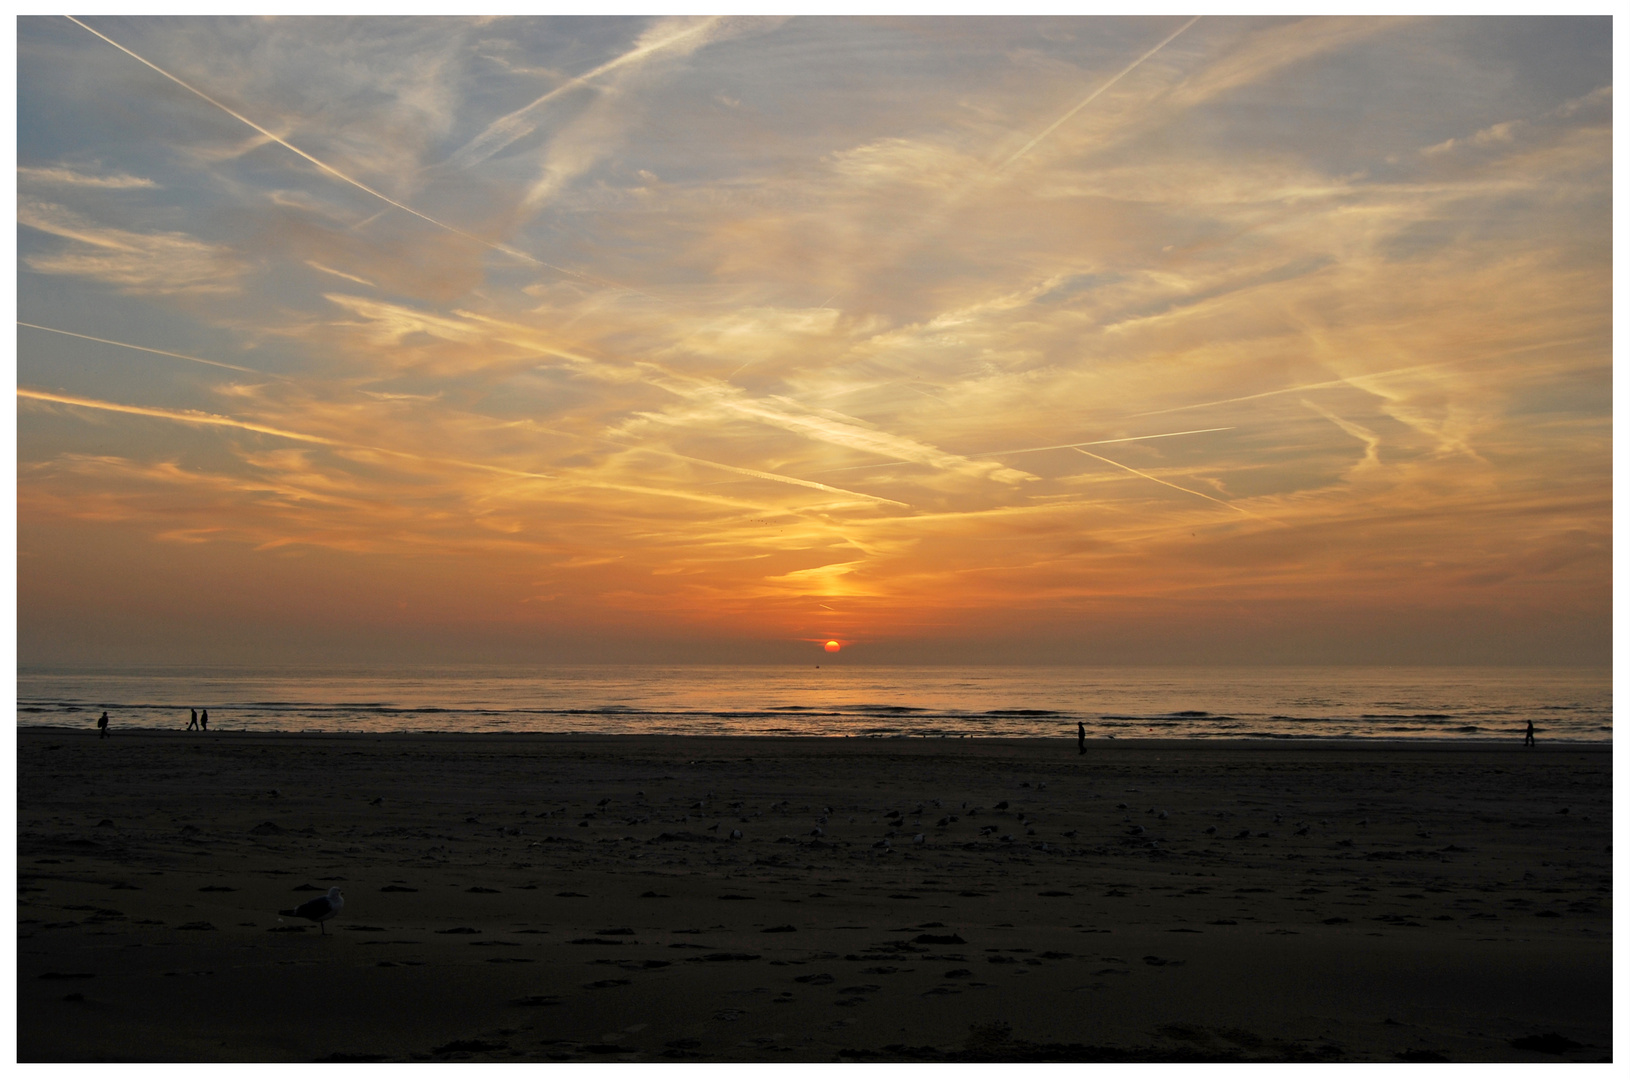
point(192, 725)
point(102, 725)
point(1528, 739)
point(203, 720)
point(1080, 737)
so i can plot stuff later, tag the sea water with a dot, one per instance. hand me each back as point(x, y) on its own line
point(1454, 703)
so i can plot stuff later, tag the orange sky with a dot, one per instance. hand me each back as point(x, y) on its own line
point(1134, 340)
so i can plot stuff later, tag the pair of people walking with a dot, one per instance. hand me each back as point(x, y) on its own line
point(199, 723)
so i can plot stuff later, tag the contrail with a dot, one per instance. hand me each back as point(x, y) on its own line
point(206, 418)
point(188, 416)
point(1101, 442)
point(504, 131)
point(780, 478)
point(1288, 390)
point(184, 416)
point(145, 349)
point(493, 245)
point(315, 265)
point(1093, 96)
point(1168, 483)
point(1351, 379)
point(215, 420)
point(1035, 449)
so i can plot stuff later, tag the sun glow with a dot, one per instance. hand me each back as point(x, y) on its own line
point(1012, 367)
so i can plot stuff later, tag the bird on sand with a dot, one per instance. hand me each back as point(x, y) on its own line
point(320, 909)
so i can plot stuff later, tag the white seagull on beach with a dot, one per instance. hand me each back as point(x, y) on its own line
point(320, 909)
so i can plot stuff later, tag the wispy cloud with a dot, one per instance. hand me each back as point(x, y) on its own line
point(677, 35)
point(135, 262)
point(65, 176)
point(857, 328)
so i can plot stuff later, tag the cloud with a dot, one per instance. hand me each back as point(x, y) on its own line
point(66, 176)
point(157, 263)
point(1388, 371)
point(1266, 53)
point(676, 36)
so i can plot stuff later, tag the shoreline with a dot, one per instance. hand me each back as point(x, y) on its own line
point(545, 897)
point(1094, 744)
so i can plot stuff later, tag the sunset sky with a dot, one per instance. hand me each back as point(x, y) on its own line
point(1090, 340)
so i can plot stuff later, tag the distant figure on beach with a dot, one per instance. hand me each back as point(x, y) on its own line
point(192, 725)
point(203, 720)
point(1528, 739)
point(1080, 737)
point(102, 724)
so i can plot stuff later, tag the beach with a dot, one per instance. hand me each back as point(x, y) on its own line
point(519, 897)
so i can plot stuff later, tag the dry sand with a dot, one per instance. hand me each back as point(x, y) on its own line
point(580, 898)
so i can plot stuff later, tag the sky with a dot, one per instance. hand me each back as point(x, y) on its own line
point(1091, 340)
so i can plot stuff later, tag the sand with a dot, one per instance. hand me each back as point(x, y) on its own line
point(569, 898)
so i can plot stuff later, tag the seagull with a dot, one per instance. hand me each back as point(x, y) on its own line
point(321, 909)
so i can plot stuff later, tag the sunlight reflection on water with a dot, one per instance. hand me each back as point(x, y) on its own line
point(835, 700)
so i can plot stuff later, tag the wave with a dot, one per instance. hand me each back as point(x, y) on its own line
point(1033, 703)
point(1406, 716)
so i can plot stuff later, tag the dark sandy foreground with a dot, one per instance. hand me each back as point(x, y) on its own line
point(580, 898)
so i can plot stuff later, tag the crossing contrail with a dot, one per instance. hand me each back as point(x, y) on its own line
point(507, 129)
point(1168, 483)
point(1088, 100)
point(353, 181)
point(1037, 449)
point(1101, 442)
point(189, 416)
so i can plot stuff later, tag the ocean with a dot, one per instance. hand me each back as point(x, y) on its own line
point(1444, 703)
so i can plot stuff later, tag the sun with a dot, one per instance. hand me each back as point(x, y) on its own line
point(832, 646)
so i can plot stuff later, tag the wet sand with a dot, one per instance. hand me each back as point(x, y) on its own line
point(535, 897)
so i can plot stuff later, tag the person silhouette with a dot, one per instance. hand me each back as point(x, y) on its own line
point(1080, 737)
point(203, 720)
point(192, 725)
point(1528, 739)
point(102, 724)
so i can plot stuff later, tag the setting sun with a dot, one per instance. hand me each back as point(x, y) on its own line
point(955, 323)
point(832, 646)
